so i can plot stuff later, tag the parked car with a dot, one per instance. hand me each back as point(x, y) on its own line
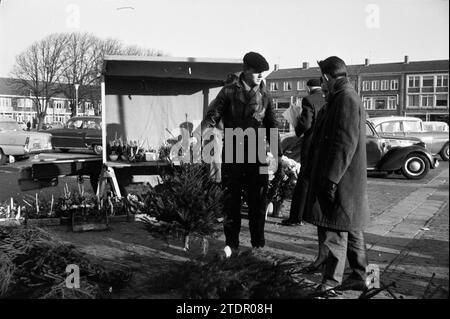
point(437, 142)
point(435, 126)
point(402, 155)
point(17, 142)
point(79, 133)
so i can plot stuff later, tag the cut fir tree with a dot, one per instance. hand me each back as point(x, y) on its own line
point(187, 202)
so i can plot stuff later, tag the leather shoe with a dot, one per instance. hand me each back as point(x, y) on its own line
point(326, 291)
point(288, 222)
point(353, 284)
point(311, 269)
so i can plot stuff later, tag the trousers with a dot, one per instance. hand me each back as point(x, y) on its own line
point(340, 246)
point(239, 178)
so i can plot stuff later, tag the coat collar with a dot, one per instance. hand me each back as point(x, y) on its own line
point(340, 85)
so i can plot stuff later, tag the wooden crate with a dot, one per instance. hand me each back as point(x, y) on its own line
point(121, 218)
point(11, 222)
point(55, 221)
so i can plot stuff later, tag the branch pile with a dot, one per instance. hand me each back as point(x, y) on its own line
point(247, 276)
point(33, 265)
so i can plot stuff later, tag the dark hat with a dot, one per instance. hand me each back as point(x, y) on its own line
point(256, 61)
point(313, 82)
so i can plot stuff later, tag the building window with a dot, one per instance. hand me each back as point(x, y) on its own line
point(273, 86)
point(366, 85)
point(375, 85)
point(301, 85)
point(287, 86)
point(427, 101)
point(442, 83)
point(413, 84)
point(5, 103)
point(24, 103)
point(380, 104)
point(441, 100)
point(431, 91)
point(367, 101)
point(413, 100)
point(385, 85)
point(394, 84)
point(59, 105)
point(392, 102)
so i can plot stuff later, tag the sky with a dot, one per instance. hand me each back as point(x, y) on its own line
point(286, 32)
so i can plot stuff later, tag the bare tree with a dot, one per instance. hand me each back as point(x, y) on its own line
point(59, 61)
point(38, 70)
point(84, 60)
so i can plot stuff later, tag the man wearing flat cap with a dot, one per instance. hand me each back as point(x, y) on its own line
point(245, 106)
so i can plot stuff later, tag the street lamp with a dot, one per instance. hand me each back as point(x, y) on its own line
point(76, 99)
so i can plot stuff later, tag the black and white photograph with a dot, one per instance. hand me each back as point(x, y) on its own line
point(225, 156)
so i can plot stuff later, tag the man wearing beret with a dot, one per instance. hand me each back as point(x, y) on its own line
point(244, 105)
point(336, 170)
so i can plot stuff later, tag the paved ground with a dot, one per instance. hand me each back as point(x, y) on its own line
point(408, 237)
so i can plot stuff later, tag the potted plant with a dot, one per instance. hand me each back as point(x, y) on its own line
point(164, 152)
point(114, 150)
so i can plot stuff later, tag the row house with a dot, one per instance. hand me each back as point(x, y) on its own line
point(417, 88)
point(20, 105)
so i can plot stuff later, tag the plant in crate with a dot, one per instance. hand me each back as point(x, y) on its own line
point(10, 212)
point(36, 208)
point(187, 202)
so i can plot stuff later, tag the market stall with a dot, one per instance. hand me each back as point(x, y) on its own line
point(146, 101)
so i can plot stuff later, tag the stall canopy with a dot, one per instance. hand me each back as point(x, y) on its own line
point(148, 99)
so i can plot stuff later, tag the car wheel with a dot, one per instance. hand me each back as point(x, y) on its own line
point(444, 153)
point(3, 157)
point(415, 166)
point(64, 150)
point(98, 149)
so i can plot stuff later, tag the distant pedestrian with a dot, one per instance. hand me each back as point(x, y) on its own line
point(28, 126)
point(336, 170)
point(311, 105)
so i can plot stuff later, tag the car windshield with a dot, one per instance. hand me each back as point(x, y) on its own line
point(9, 126)
point(92, 124)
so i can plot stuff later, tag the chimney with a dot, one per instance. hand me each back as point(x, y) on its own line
point(366, 62)
point(406, 59)
point(276, 67)
point(305, 65)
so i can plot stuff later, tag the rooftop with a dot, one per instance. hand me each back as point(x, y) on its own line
point(395, 67)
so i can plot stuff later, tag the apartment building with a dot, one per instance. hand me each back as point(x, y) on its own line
point(413, 88)
point(19, 104)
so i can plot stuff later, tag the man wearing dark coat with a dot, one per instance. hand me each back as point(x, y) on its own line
point(245, 105)
point(336, 170)
point(311, 105)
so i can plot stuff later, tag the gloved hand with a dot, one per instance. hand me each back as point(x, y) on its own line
point(328, 190)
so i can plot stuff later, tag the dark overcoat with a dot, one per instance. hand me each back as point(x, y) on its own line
point(338, 154)
point(311, 105)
